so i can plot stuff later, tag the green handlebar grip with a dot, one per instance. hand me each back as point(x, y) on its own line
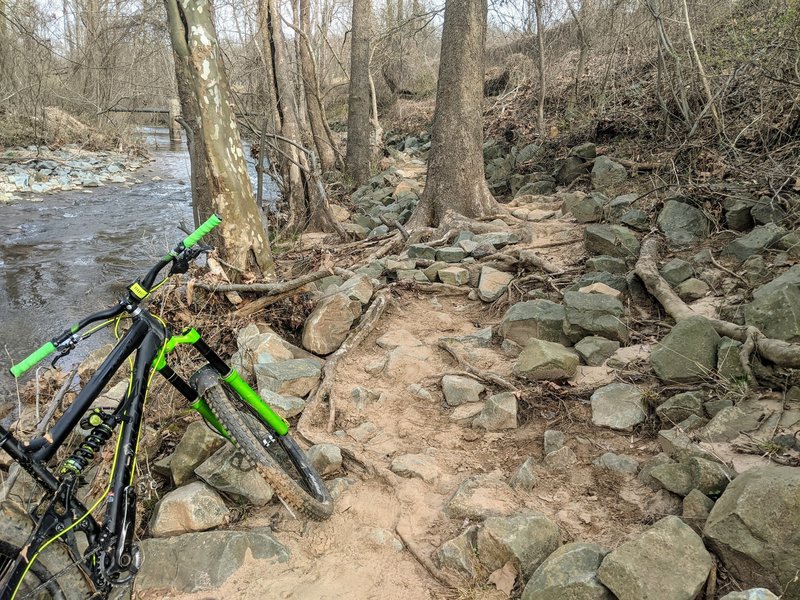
point(195, 236)
point(34, 358)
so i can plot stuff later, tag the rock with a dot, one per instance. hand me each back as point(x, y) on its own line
point(421, 251)
point(607, 264)
point(674, 477)
point(600, 281)
point(458, 554)
point(195, 562)
point(295, 377)
point(379, 231)
point(644, 476)
point(713, 407)
point(688, 352)
point(666, 561)
point(411, 275)
point(692, 289)
point(524, 477)
point(553, 440)
point(325, 458)
point(618, 406)
point(752, 594)
point(498, 239)
point(636, 219)
point(619, 206)
point(285, 406)
point(607, 174)
point(755, 242)
point(539, 319)
point(791, 244)
point(681, 406)
point(619, 463)
point(400, 265)
point(692, 422)
point(329, 323)
point(530, 152)
point(676, 442)
point(384, 538)
point(570, 169)
point(493, 283)
point(585, 209)
point(195, 446)
point(499, 413)
point(337, 487)
point(594, 314)
point(432, 272)
point(728, 364)
point(480, 497)
point(230, 471)
point(546, 360)
point(709, 477)
point(560, 459)
point(542, 187)
point(358, 288)
point(595, 350)
point(601, 288)
point(682, 223)
point(525, 540)
point(458, 389)
point(611, 240)
point(364, 432)
point(775, 311)
point(467, 411)
point(677, 271)
point(193, 507)
point(696, 508)
point(454, 276)
point(373, 270)
point(450, 254)
point(661, 504)
point(358, 231)
point(766, 211)
point(737, 214)
point(420, 466)
point(754, 529)
point(729, 422)
point(569, 573)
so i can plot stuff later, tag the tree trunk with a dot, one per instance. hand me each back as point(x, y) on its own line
point(538, 8)
point(455, 167)
point(242, 240)
point(316, 112)
point(358, 118)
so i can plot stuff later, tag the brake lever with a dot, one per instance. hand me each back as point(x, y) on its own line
point(181, 264)
point(65, 348)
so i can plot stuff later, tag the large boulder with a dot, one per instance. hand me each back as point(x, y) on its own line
point(196, 445)
point(193, 507)
point(755, 529)
point(682, 223)
point(618, 406)
point(230, 471)
point(525, 540)
point(668, 560)
point(569, 573)
point(546, 360)
point(688, 352)
point(541, 319)
point(194, 562)
point(329, 323)
point(611, 240)
point(290, 377)
point(594, 314)
point(776, 312)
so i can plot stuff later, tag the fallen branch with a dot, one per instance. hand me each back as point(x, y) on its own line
point(272, 289)
point(779, 352)
point(487, 376)
point(403, 231)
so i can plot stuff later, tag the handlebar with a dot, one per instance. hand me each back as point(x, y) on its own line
point(146, 284)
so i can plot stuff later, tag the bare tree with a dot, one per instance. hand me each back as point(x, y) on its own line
point(538, 8)
point(358, 113)
point(242, 239)
point(455, 166)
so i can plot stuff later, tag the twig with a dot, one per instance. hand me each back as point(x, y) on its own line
point(728, 271)
point(426, 562)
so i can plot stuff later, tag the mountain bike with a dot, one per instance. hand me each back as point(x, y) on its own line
point(40, 553)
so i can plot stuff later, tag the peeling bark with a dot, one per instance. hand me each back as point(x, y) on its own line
point(358, 117)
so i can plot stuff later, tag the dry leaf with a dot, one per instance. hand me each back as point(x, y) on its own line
point(503, 579)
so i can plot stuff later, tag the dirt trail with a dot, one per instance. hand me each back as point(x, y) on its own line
point(357, 554)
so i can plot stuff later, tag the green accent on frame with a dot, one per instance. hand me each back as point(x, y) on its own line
point(240, 386)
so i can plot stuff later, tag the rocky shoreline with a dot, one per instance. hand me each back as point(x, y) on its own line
point(40, 170)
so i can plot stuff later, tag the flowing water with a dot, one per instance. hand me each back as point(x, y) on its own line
point(75, 252)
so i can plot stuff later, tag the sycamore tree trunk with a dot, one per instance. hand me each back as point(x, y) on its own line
point(358, 110)
point(455, 165)
point(241, 240)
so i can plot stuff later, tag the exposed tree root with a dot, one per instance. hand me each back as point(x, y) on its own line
point(422, 559)
point(487, 376)
point(523, 258)
point(443, 289)
point(272, 289)
point(368, 322)
point(778, 352)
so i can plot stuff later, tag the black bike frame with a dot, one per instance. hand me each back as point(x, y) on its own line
point(146, 337)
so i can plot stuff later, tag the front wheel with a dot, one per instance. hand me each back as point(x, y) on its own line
point(279, 460)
